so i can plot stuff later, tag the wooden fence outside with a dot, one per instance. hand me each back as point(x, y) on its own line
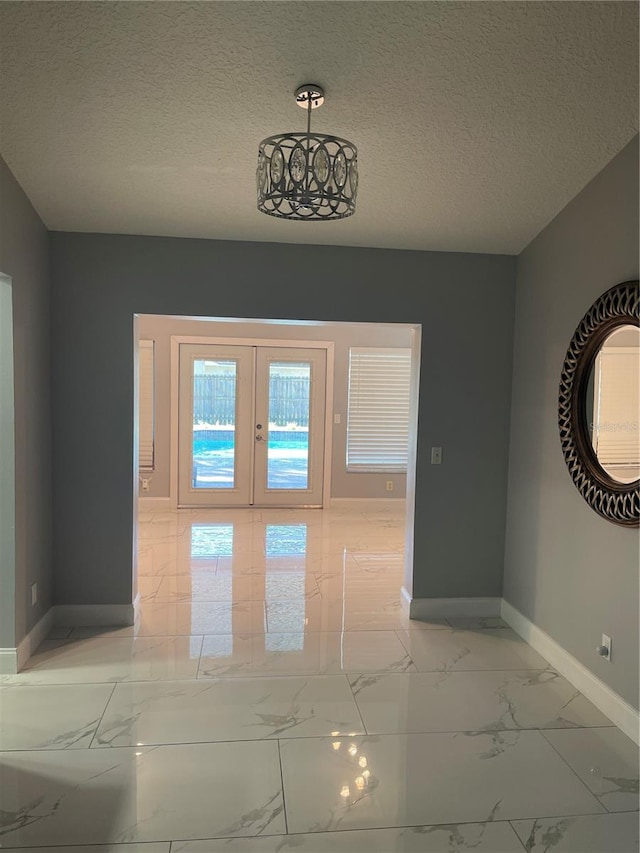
point(214, 400)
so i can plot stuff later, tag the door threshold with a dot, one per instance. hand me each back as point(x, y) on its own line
point(250, 506)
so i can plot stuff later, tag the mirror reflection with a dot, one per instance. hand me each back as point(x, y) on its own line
point(613, 404)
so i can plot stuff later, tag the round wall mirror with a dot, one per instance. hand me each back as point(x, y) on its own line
point(599, 405)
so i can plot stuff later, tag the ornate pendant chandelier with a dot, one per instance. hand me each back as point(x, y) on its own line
point(309, 176)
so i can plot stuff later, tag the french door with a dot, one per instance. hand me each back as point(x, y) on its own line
point(250, 425)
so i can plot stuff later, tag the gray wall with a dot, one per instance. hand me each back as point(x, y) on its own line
point(569, 571)
point(464, 302)
point(24, 256)
point(344, 484)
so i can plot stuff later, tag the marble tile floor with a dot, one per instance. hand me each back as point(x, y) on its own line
point(273, 696)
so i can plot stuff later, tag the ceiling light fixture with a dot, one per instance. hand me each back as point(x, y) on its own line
point(307, 176)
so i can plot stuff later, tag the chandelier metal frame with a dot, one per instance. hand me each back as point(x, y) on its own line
point(307, 176)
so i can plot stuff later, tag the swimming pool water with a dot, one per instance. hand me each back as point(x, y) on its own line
point(205, 442)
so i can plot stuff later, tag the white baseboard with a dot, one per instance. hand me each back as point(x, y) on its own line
point(93, 615)
point(429, 608)
point(150, 504)
point(33, 639)
point(13, 660)
point(372, 503)
point(603, 697)
point(158, 504)
point(8, 661)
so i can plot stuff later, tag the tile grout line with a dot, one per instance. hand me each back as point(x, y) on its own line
point(562, 758)
point(355, 702)
point(231, 678)
point(102, 715)
point(197, 675)
point(327, 736)
point(319, 834)
point(513, 829)
point(508, 821)
point(284, 801)
point(200, 655)
point(408, 653)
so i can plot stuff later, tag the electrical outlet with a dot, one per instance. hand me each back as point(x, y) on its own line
point(389, 485)
point(34, 594)
point(604, 649)
point(336, 418)
point(436, 456)
point(145, 483)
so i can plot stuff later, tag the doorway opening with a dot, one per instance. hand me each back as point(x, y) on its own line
point(245, 430)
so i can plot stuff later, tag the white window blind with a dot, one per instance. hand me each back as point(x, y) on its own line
point(378, 411)
point(617, 403)
point(145, 404)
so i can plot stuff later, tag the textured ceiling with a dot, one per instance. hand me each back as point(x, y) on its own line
point(475, 122)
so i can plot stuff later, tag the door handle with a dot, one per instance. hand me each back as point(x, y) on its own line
point(259, 438)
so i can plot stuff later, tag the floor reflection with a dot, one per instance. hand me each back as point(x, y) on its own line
point(272, 575)
point(257, 626)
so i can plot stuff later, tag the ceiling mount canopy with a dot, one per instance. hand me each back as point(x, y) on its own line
point(307, 176)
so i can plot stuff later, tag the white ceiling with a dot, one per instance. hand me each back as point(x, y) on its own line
point(475, 122)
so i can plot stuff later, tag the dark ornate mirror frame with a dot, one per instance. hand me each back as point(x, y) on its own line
point(617, 502)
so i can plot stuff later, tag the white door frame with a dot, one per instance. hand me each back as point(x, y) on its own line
point(10, 661)
point(176, 340)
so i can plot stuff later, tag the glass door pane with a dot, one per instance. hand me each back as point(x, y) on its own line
point(215, 429)
point(213, 452)
point(288, 429)
point(289, 426)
